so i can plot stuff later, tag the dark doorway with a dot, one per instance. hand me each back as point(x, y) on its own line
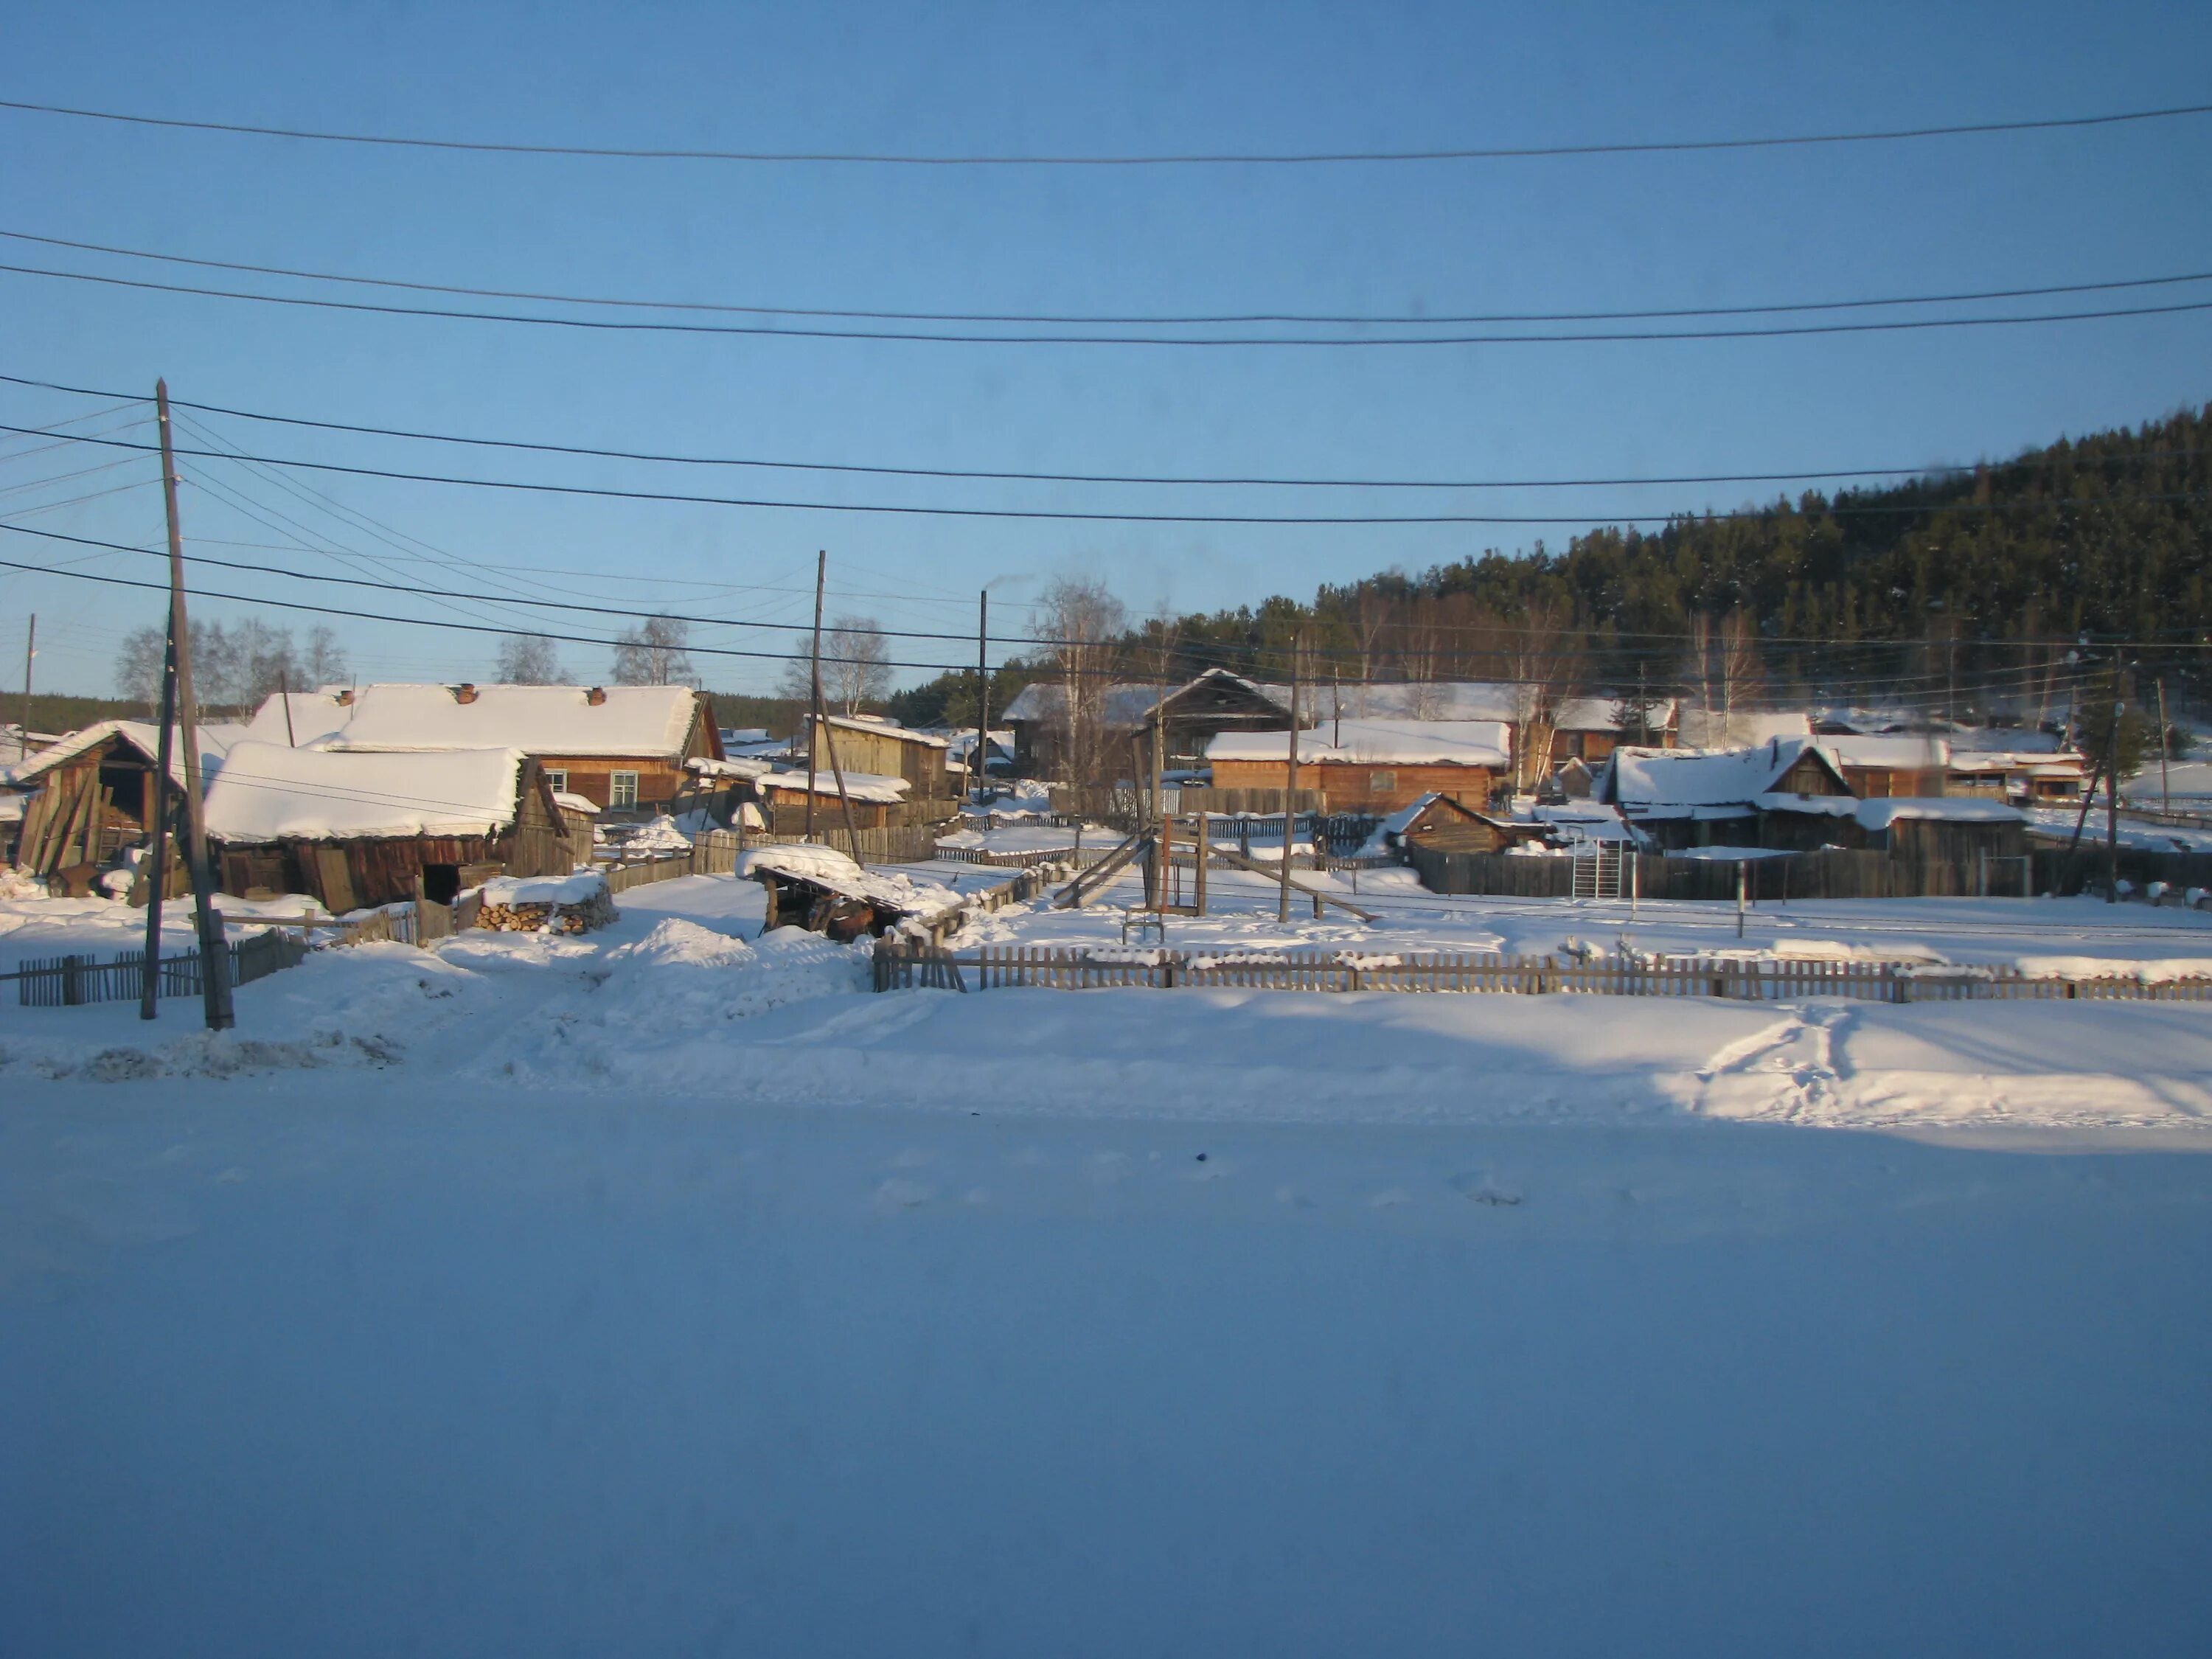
point(441, 882)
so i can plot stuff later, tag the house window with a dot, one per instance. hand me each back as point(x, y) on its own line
point(622, 789)
point(1381, 783)
point(558, 777)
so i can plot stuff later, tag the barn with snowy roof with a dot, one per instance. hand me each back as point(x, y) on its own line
point(354, 828)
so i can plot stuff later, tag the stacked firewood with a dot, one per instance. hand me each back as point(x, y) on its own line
point(529, 918)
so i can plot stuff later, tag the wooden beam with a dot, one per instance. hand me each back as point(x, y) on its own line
point(1257, 868)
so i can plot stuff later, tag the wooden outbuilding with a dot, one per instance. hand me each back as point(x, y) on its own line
point(355, 829)
point(881, 749)
point(97, 795)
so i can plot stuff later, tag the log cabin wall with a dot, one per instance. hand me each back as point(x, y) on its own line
point(1343, 787)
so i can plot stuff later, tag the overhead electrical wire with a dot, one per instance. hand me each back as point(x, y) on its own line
point(1140, 320)
point(1187, 649)
point(1345, 341)
point(1250, 158)
point(916, 510)
point(1923, 469)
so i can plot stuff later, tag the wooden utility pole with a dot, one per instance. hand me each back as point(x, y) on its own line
point(982, 688)
point(2112, 796)
point(1289, 787)
point(284, 690)
point(30, 656)
point(814, 696)
point(215, 956)
point(2165, 777)
point(157, 873)
point(1157, 864)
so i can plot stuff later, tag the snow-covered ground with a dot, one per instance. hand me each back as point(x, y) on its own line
point(663, 1290)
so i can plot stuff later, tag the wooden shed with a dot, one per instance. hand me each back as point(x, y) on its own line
point(819, 889)
point(1444, 825)
point(884, 750)
point(96, 794)
point(355, 829)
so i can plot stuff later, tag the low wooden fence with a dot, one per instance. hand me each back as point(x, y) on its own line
point(1038, 878)
point(69, 981)
point(1092, 853)
point(905, 965)
point(1778, 878)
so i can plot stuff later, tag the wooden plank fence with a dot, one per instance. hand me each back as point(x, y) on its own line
point(904, 965)
point(70, 981)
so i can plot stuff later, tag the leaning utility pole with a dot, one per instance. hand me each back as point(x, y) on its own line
point(814, 693)
point(157, 874)
point(821, 725)
point(215, 958)
point(30, 656)
point(1290, 788)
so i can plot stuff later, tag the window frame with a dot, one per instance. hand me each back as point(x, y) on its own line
point(557, 776)
point(617, 784)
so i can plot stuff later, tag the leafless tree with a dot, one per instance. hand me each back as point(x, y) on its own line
point(1543, 661)
point(653, 653)
point(530, 659)
point(323, 661)
point(1737, 659)
point(856, 664)
point(1083, 619)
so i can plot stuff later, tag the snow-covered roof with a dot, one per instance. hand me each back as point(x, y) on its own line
point(268, 792)
point(1880, 814)
point(145, 735)
point(858, 786)
point(736, 734)
point(1643, 779)
point(1125, 704)
point(2033, 763)
point(1375, 743)
point(1901, 754)
point(538, 719)
point(2004, 741)
point(1714, 728)
point(569, 803)
point(743, 768)
point(826, 866)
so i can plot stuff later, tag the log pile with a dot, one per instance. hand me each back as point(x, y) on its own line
point(521, 916)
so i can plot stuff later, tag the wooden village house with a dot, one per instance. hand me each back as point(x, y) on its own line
point(1370, 765)
point(621, 747)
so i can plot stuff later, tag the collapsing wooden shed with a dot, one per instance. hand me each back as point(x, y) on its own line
point(96, 795)
point(357, 829)
point(822, 890)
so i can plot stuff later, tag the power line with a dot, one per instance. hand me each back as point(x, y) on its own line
point(1363, 319)
point(1488, 153)
point(536, 447)
point(910, 510)
point(1354, 340)
point(1198, 648)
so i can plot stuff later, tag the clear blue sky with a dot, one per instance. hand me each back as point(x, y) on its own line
point(1556, 234)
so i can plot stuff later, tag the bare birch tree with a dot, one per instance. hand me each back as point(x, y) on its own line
point(1083, 619)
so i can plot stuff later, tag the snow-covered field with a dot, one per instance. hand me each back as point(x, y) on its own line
point(663, 1291)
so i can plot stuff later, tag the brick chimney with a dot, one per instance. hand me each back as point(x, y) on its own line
point(596, 695)
point(345, 698)
point(465, 692)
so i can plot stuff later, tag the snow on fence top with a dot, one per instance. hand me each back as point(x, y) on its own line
point(538, 719)
point(266, 791)
point(1375, 743)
